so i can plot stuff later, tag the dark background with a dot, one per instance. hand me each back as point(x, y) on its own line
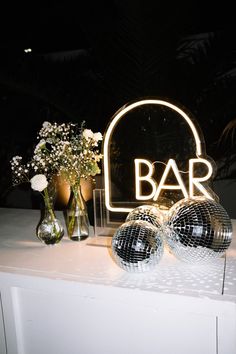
point(91, 58)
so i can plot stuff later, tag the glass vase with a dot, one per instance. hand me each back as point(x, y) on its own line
point(49, 230)
point(77, 220)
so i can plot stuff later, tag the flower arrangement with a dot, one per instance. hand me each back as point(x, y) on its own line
point(63, 149)
point(66, 150)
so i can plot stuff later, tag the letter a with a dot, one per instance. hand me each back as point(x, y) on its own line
point(171, 164)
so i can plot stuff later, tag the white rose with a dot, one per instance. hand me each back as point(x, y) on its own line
point(88, 134)
point(39, 182)
point(97, 136)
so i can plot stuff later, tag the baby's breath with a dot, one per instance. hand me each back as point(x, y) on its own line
point(62, 149)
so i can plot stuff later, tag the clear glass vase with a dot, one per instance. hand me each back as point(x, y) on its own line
point(77, 220)
point(49, 230)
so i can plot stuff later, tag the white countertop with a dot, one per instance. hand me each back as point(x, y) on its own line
point(91, 262)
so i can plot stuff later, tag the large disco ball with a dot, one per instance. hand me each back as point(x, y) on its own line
point(147, 213)
point(137, 246)
point(198, 230)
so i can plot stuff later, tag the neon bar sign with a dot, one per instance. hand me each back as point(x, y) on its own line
point(195, 183)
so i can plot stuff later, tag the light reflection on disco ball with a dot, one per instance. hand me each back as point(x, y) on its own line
point(147, 213)
point(198, 230)
point(137, 246)
point(163, 204)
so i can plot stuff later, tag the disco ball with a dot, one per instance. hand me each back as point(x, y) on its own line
point(198, 230)
point(137, 246)
point(147, 213)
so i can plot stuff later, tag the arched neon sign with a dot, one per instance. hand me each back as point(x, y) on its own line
point(195, 183)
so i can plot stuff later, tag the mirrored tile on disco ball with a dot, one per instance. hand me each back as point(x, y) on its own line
point(198, 230)
point(137, 246)
point(147, 213)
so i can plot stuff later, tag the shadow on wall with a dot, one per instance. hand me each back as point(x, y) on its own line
point(23, 197)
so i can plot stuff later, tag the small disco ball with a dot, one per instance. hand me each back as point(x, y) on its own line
point(137, 246)
point(198, 230)
point(147, 213)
